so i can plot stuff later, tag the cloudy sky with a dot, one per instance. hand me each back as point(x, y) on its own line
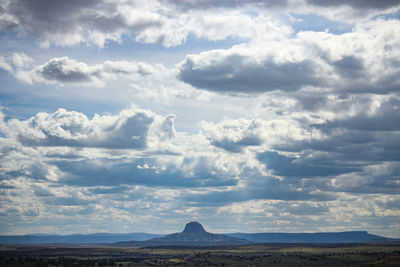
point(250, 116)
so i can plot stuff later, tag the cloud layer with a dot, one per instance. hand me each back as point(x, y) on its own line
point(69, 71)
point(166, 22)
point(232, 166)
point(345, 63)
point(248, 116)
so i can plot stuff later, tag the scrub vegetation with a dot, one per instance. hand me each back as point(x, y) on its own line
point(371, 254)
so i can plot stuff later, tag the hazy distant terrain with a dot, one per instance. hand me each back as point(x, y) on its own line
point(340, 237)
point(195, 235)
point(75, 239)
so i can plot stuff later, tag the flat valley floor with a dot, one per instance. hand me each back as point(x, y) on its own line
point(371, 254)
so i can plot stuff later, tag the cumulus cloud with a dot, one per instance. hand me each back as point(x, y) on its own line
point(361, 61)
point(100, 21)
point(206, 4)
point(269, 165)
point(165, 22)
point(375, 178)
point(371, 4)
point(333, 146)
point(69, 148)
point(20, 60)
point(241, 71)
point(349, 11)
point(346, 212)
point(144, 171)
point(301, 167)
point(69, 71)
point(15, 62)
point(304, 134)
point(381, 115)
point(258, 134)
point(255, 188)
point(4, 64)
point(75, 22)
point(127, 130)
point(233, 135)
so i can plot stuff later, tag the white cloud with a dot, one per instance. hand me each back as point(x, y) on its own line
point(234, 135)
point(15, 62)
point(165, 22)
point(345, 213)
point(76, 22)
point(350, 11)
point(5, 64)
point(20, 60)
point(295, 130)
point(84, 156)
point(127, 130)
point(69, 71)
point(214, 26)
point(364, 60)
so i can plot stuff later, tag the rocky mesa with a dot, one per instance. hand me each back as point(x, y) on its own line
point(193, 235)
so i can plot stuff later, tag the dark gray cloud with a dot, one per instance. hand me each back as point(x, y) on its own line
point(72, 22)
point(386, 117)
point(350, 67)
point(336, 63)
point(359, 4)
point(361, 147)
point(231, 72)
point(304, 209)
point(34, 170)
point(206, 4)
point(240, 74)
point(369, 136)
point(103, 190)
point(333, 173)
point(48, 16)
point(237, 146)
point(273, 191)
point(374, 179)
point(57, 70)
point(395, 204)
point(302, 167)
point(143, 171)
point(257, 187)
point(95, 22)
point(66, 201)
point(358, 154)
point(65, 70)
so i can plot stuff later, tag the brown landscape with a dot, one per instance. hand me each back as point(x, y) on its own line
point(370, 254)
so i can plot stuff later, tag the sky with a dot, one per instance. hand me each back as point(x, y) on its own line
point(247, 116)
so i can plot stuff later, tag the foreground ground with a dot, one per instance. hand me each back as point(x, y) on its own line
point(384, 254)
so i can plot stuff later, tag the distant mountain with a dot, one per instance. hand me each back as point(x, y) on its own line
point(75, 239)
point(193, 235)
point(340, 237)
